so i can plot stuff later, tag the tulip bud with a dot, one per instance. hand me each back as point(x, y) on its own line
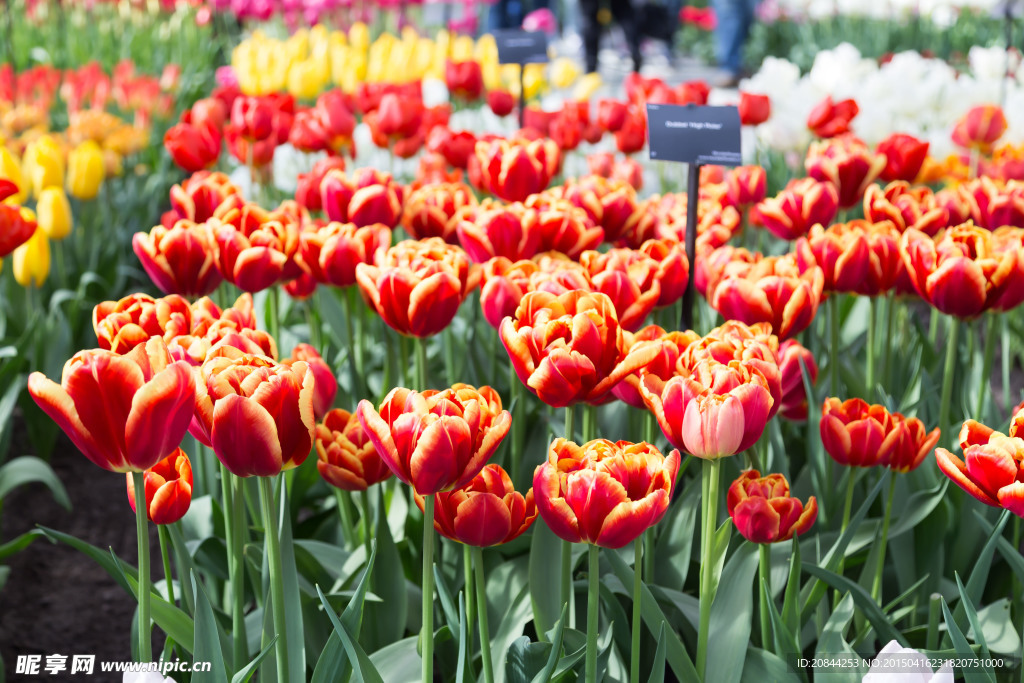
point(10, 169)
point(32, 260)
point(44, 164)
point(86, 170)
point(54, 213)
point(764, 512)
point(346, 458)
point(168, 488)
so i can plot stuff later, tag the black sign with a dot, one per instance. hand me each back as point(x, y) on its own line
point(522, 47)
point(694, 135)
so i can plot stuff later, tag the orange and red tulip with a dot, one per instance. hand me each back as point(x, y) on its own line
point(569, 348)
point(841, 251)
point(509, 231)
point(861, 435)
point(904, 157)
point(123, 412)
point(629, 278)
point(847, 163)
point(325, 385)
point(430, 210)
point(168, 489)
point(257, 414)
point(455, 146)
point(980, 127)
point(991, 468)
point(367, 198)
point(255, 248)
point(804, 203)
point(829, 119)
point(515, 170)
point(764, 512)
point(746, 186)
point(567, 228)
point(417, 287)
point(307, 190)
point(602, 492)
point(673, 269)
point(346, 458)
point(965, 271)
point(180, 260)
point(909, 207)
point(436, 440)
point(487, 511)
point(198, 197)
point(331, 252)
point(122, 325)
point(793, 405)
point(712, 412)
point(664, 365)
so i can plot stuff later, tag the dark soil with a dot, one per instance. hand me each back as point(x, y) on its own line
point(57, 600)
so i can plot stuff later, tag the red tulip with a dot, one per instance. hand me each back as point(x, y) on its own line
point(904, 157)
point(465, 80)
point(368, 197)
point(764, 512)
point(804, 203)
point(568, 348)
point(861, 435)
point(794, 395)
point(510, 231)
point(255, 248)
point(632, 136)
point(965, 272)
point(307, 192)
point(841, 252)
point(629, 279)
point(908, 207)
point(774, 291)
point(604, 493)
point(168, 489)
point(330, 253)
point(980, 127)
point(15, 228)
point(664, 365)
point(122, 325)
point(198, 197)
point(566, 228)
point(255, 413)
point(417, 287)
point(754, 109)
point(611, 114)
point(501, 102)
point(325, 385)
point(181, 260)
point(430, 211)
point(436, 440)
point(990, 470)
point(713, 412)
point(193, 147)
point(745, 186)
point(629, 171)
point(346, 458)
point(673, 270)
point(487, 511)
point(456, 146)
point(123, 412)
point(301, 288)
point(829, 119)
point(514, 171)
point(209, 111)
point(847, 163)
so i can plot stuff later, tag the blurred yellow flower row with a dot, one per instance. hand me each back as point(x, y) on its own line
point(316, 59)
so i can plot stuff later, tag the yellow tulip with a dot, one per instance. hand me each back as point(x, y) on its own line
point(564, 72)
point(44, 164)
point(534, 80)
point(307, 78)
point(10, 169)
point(54, 213)
point(486, 49)
point(32, 260)
point(86, 170)
point(492, 76)
point(587, 87)
point(359, 36)
point(462, 49)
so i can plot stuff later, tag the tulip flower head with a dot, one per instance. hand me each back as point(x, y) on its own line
point(980, 127)
point(509, 231)
point(436, 440)
point(16, 228)
point(168, 489)
point(602, 492)
point(487, 511)
point(325, 386)
point(991, 469)
point(861, 435)
point(909, 206)
point(829, 119)
point(904, 157)
point(124, 413)
point(430, 211)
point(255, 413)
point(122, 325)
point(804, 203)
point(754, 109)
point(255, 248)
point(847, 163)
point(841, 251)
point(179, 260)
point(346, 458)
point(764, 512)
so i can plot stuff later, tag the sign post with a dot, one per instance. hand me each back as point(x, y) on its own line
point(695, 136)
point(520, 47)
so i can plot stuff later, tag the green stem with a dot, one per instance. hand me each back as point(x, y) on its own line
point(239, 640)
point(481, 601)
point(421, 364)
point(142, 534)
point(634, 651)
point(649, 555)
point(350, 342)
point(389, 355)
point(274, 316)
point(986, 366)
point(168, 579)
point(273, 547)
point(593, 606)
point(345, 512)
point(467, 574)
point(709, 505)
point(833, 326)
point(851, 482)
point(764, 569)
point(566, 575)
point(313, 322)
point(872, 314)
point(934, 614)
point(516, 396)
point(449, 357)
point(890, 314)
point(947, 375)
point(876, 584)
point(1004, 334)
point(588, 423)
point(427, 631)
point(933, 327)
point(364, 498)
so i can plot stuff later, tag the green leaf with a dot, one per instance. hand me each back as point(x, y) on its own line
point(185, 566)
point(292, 598)
point(361, 664)
point(963, 648)
point(764, 666)
point(511, 626)
point(526, 659)
point(998, 628)
point(451, 614)
point(972, 619)
point(398, 662)
point(545, 577)
point(673, 551)
point(785, 639)
point(30, 469)
point(982, 563)
point(460, 671)
point(732, 614)
point(832, 643)
point(658, 665)
point(8, 402)
point(653, 617)
point(246, 672)
point(206, 646)
point(385, 620)
point(544, 675)
point(18, 543)
point(883, 627)
point(175, 623)
point(791, 601)
point(333, 663)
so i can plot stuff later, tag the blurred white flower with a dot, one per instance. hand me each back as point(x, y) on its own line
point(146, 677)
point(896, 664)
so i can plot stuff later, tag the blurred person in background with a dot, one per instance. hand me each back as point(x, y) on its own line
point(505, 14)
point(734, 19)
point(624, 14)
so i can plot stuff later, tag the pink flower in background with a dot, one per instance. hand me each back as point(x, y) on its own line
point(541, 20)
point(225, 77)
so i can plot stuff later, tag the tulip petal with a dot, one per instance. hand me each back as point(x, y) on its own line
point(955, 469)
point(161, 412)
point(56, 403)
point(440, 449)
point(245, 437)
point(482, 520)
